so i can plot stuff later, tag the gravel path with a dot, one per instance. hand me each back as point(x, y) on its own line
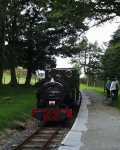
point(103, 125)
point(14, 137)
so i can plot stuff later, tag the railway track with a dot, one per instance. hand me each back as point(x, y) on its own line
point(47, 138)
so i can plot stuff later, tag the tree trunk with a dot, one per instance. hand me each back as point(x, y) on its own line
point(13, 77)
point(1, 76)
point(28, 77)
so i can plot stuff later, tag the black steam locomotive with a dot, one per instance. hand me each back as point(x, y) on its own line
point(57, 96)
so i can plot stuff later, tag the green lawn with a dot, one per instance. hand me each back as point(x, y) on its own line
point(15, 104)
point(89, 88)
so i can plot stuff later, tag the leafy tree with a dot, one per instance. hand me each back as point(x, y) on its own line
point(94, 65)
point(111, 62)
point(103, 10)
point(36, 31)
point(3, 7)
point(115, 38)
point(12, 14)
point(111, 59)
point(89, 59)
point(37, 47)
point(43, 36)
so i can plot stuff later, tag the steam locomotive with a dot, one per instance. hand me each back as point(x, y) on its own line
point(58, 95)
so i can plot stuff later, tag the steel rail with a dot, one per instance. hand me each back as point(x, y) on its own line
point(50, 139)
point(26, 140)
point(32, 136)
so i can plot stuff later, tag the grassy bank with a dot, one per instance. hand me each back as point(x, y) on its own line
point(94, 89)
point(15, 104)
point(118, 103)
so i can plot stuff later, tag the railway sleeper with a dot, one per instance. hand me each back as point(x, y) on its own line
point(38, 140)
point(32, 146)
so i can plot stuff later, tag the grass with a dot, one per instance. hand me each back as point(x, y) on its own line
point(93, 89)
point(118, 102)
point(15, 104)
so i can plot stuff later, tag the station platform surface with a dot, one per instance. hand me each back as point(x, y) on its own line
point(97, 126)
point(72, 141)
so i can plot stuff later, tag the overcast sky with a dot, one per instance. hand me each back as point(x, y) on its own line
point(104, 32)
point(101, 34)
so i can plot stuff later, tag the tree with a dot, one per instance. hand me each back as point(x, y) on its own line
point(103, 10)
point(36, 43)
point(3, 6)
point(63, 23)
point(42, 37)
point(12, 14)
point(111, 59)
point(115, 38)
point(94, 63)
point(11, 31)
point(89, 59)
point(36, 31)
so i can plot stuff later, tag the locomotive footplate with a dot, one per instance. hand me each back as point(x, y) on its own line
point(50, 114)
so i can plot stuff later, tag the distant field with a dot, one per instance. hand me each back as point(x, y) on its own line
point(21, 76)
point(15, 104)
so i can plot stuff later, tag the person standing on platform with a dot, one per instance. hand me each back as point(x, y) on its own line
point(114, 90)
point(107, 87)
point(117, 87)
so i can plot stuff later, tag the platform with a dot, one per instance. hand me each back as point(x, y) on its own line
point(72, 141)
